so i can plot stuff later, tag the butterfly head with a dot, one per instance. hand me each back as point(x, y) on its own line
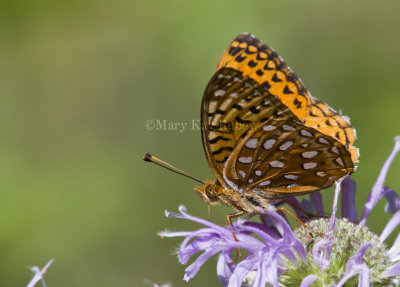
point(210, 191)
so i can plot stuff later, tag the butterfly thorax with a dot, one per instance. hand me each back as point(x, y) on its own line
point(212, 192)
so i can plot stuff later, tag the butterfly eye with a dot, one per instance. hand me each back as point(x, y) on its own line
point(211, 191)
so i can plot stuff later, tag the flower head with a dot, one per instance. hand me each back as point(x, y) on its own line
point(339, 251)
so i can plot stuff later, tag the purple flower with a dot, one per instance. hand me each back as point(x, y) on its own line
point(340, 251)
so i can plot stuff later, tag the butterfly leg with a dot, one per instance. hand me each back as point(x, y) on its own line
point(294, 206)
point(229, 219)
point(299, 221)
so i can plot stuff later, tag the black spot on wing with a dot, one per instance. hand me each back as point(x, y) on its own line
point(218, 138)
point(254, 110)
point(286, 90)
point(266, 85)
point(234, 50)
point(240, 58)
point(220, 112)
point(227, 148)
point(275, 78)
point(297, 103)
point(238, 107)
point(266, 67)
point(252, 64)
point(222, 161)
point(242, 121)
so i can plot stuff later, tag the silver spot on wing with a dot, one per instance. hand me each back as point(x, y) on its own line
point(291, 176)
point(286, 145)
point(287, 127)
point(340, 161)
point(219, 93)
point(276, 164)
point(269, 143)
point(306, 133)
point(324, 141)
point(309, 154)
point(265, 183)
point(251, 143)
point(245, 159)
point(268, 128)
point(309, 165)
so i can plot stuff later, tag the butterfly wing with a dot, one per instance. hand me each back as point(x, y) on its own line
point(232, 105)
point(329, 122)
point(253, 141)
point(261, 63)
point(282, 157)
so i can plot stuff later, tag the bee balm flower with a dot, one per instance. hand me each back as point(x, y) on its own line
point(340, 251)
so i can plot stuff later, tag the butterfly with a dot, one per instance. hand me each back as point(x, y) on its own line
point(265, 137)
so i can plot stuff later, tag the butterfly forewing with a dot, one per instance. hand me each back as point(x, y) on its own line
point(232, 106)
point(261, 63)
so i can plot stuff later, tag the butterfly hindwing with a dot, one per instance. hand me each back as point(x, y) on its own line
point(253, 141)
point(281, 158)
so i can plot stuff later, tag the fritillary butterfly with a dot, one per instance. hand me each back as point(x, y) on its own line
point(264, 136)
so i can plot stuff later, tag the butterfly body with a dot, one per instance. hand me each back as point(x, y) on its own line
point(213, 193)
point(264, 136)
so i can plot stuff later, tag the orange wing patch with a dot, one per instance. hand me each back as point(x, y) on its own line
point(326, 120)
point(261, 63)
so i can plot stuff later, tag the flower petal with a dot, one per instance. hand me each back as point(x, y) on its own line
point(322, 252)
point(363, 277)
point(287, 235)
point(262, 272)
point(377, 189)
point(334, 208)
point(394, 251)
point(393, 201)
point(193, 268)
point(242, 269)
point(349, 209)
point(270, 269)
point(345, 278)
point(390, 226)
point(39, 274)
point(225, 268)
point(316, 198)
point(357, 259)
point(307, 281)
point(394, 271)
point(356, 265)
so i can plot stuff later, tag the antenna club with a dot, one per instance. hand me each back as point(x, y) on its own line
point(147, 157)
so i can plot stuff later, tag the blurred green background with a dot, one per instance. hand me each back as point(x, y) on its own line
point(78, 81)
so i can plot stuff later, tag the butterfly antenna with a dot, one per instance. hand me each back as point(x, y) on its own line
point(149, 158)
